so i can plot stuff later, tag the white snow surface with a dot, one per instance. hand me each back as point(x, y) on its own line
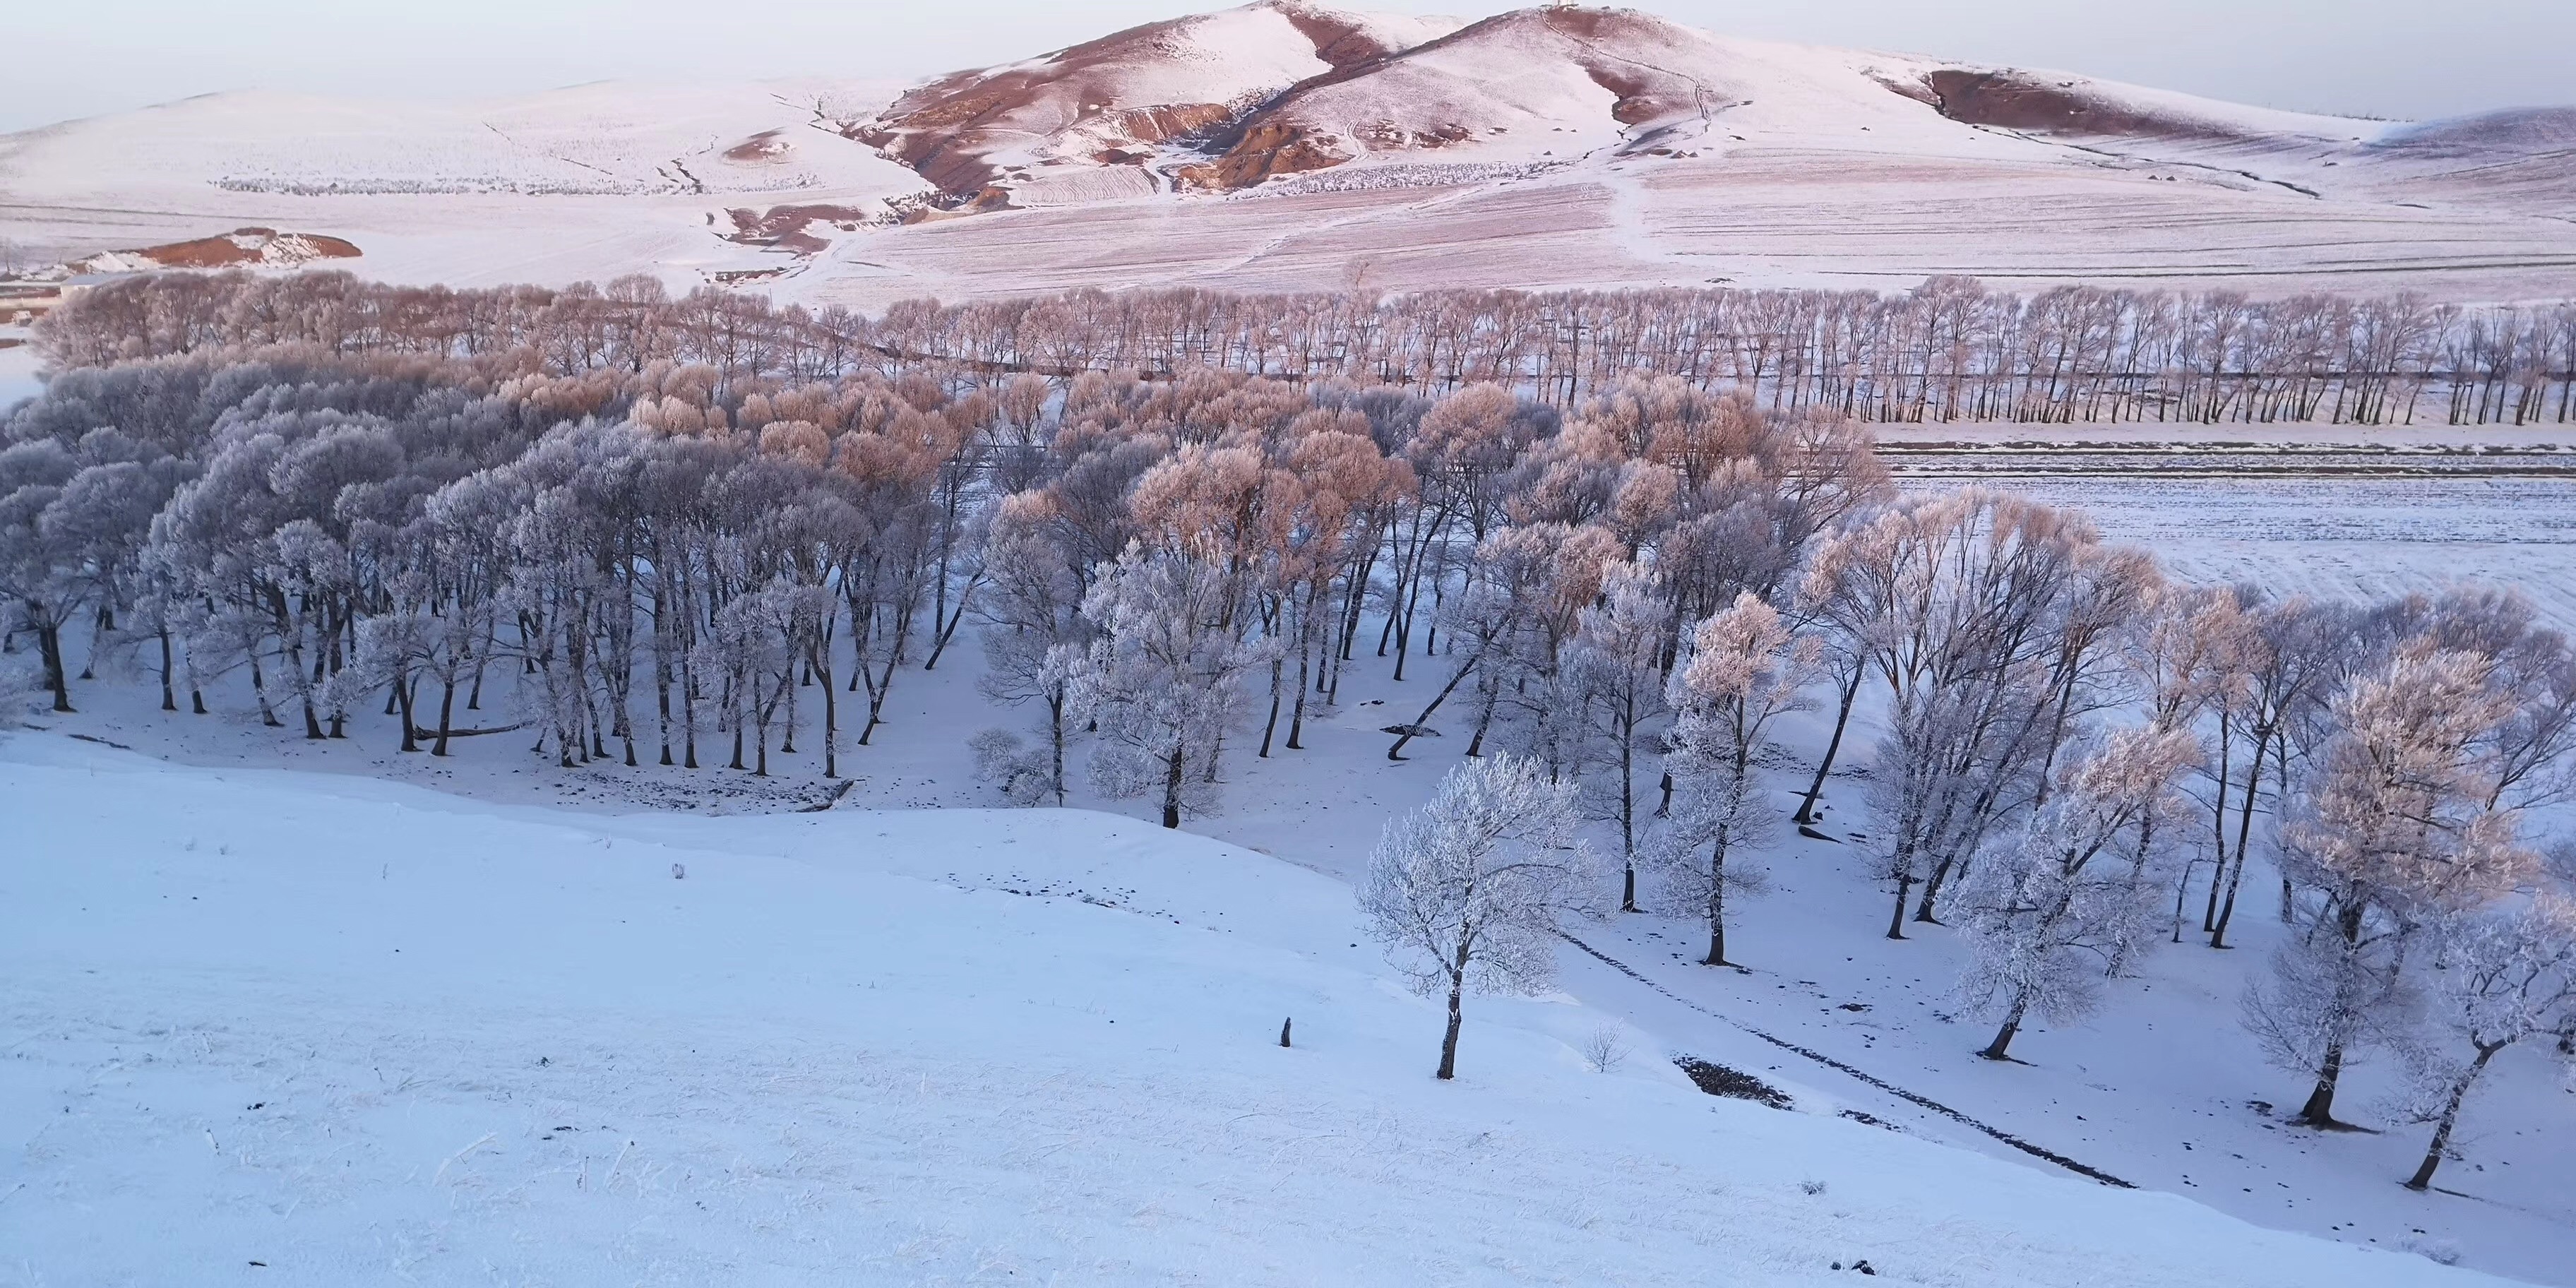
point(288, 1028)
point(18, 364)
point(587, 182)
point(1498, 162)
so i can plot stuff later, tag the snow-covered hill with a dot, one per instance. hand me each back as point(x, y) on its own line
point(295, 1029)
point(1286, 145)
point(1028, 131)
point(1576, 84)
point(590, 181)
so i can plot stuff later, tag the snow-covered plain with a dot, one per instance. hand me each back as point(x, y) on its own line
point(2314, 509)
point(1510, 154)
point(299, 1029)
point(18, 364)
point(587, 182)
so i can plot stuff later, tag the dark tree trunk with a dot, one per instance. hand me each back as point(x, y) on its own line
point(1278, 672)
point(169, 696)
point(1842, 717)
point(49, 643)
point(1297, 713)
point(2319, 1110)
point(2236, 870)
point(402, 698)
point(2423, 1177)
point(1055, 741)
point(1394, 752)
point(446, 708)
point(2000, 1048)
point(1449, 1039)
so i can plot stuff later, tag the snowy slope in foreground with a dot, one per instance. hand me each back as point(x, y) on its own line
point(347, 1031)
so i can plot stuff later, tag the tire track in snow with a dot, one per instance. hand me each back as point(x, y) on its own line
point(1914, 1098)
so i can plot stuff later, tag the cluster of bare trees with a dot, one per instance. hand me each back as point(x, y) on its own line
point(658, 523)
point(341, 531)
point(2074, 748)
point(1949, 350)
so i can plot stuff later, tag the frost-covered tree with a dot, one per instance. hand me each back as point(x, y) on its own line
point(1471, 890)
point(1746, 669)
point(1164, 679)
point(39, 569)
point(1990, 619)
point(2268, 688)
point(2044, 911)
point(2391, 831)
point(2499, 977)
point(1034, 623)
point(1560, 574)
point(1615, 666)
point(1022, 774)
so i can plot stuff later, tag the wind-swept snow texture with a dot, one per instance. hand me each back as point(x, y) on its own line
point(587, 182)
point(293, 1029)
point(1288, 146)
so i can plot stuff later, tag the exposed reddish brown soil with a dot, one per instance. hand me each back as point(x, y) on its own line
point(1166, 121)
point(786, 227)
point(1637, 100)
point(764, 146)
point(943, 129)
point(1264, 152)
point(1337, 41)
point(947, 130)
point(2016, 100)
point(228, 252)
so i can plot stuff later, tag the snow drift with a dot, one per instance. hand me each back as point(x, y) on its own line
point(342, 1031)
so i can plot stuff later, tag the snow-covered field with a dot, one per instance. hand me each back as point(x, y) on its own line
point(321, 1012)
point(2315, 509)
point(1516, 153)
point(18, 374)
point(2163, 1090)
point(285, 1028)
point(587, 182)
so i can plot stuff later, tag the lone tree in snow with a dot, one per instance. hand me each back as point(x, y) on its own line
point(2500, 978)
point(1746, 669)
point(1472, 888)
point(2047, 909)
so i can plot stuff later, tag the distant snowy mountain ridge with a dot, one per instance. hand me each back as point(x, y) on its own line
point(1537, 149)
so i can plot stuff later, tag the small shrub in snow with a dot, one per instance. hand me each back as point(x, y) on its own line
point(22, 691)
point(1605, 1050)
point(1025, 776)
point(2438, 1251)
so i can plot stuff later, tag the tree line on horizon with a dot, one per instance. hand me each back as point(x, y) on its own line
point(1947, 351)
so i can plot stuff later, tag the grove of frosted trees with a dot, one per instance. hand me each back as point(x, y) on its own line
point(705, 531)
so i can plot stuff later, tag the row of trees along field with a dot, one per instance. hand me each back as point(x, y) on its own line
point(2078, 759)
point(1949, 350)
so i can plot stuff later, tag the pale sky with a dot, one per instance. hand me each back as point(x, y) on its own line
point(2393, 58)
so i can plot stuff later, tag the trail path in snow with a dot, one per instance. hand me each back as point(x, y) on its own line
point(1917, 1098)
